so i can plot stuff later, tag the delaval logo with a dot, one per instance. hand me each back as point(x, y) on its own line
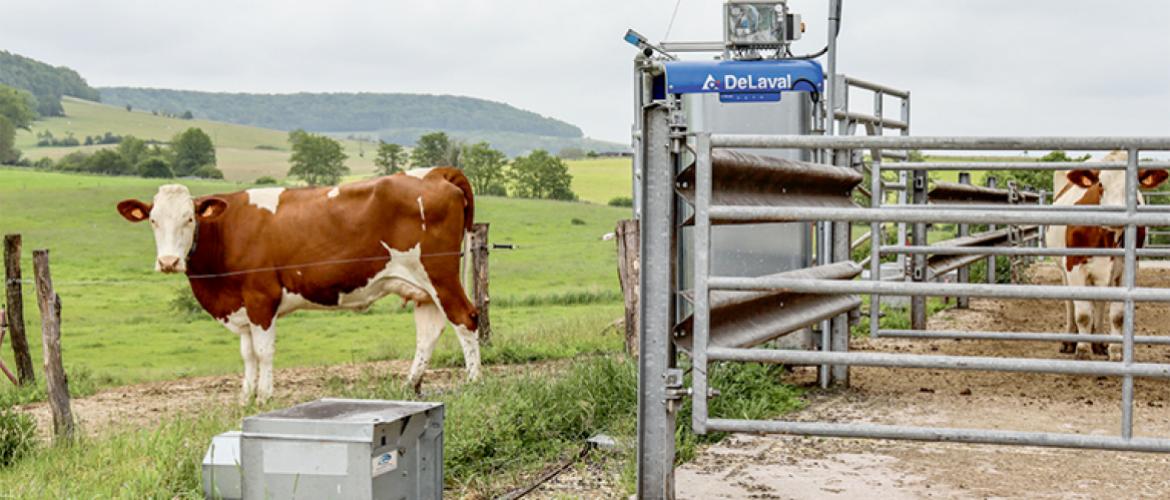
point(753, 83)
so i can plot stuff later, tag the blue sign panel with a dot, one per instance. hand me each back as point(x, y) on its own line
point(744, 81)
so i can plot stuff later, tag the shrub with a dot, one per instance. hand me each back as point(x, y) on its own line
point(155, 168)
point(621, 201)
point(17, 435)
point(577, 222)
point(208, 172)
point(267, 179)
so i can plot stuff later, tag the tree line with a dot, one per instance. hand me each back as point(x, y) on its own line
point(344, 112)
point(320, 160)
point(45, 84)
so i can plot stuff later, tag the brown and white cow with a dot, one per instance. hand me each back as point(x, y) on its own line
point(256, 255)
point(1105, 188)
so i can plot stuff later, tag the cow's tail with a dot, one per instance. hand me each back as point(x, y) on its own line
point(456, 177)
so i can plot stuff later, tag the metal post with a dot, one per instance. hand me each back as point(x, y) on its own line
point(1129, 281)
point(656, 414)
point(875, 244)
point(918, 269)
point(991, 183)
point(702, 262)
point(962, 301)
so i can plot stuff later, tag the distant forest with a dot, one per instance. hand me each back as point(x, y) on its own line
point(344, 112)
point(46, 83)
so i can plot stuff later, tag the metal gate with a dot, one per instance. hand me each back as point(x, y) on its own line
point(780, 200)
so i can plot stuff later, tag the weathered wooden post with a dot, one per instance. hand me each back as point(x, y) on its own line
point(15, 309)
point(55, 379)
point(479, 278)
point(3, 331)
point(627, 236)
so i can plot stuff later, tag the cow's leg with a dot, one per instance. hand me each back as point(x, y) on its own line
point(248, 388)
point(1099, 308)
point(1116, 322)
point(1070, 324)
point(428, 324)
point(264, 345)
point(1083, 315)
point(463, 316)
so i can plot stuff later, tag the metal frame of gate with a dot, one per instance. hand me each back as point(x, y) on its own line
point(661, 381)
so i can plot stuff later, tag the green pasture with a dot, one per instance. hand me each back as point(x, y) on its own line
point(243, 153)
point(556, 292)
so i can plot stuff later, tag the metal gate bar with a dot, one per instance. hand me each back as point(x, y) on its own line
point(1055, 292)
point(978, 436)
point(1021, 336)
point(999, 165)
point(1054, 252)
point(976, 363)
point(939, 143)
point(1046, 217)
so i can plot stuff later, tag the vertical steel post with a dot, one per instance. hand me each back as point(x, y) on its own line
point(1129, 281)
point(702, 311)
point(825, 245)
point(656, 414)
point(875, 243)
point(963, 301)
point(904, 178)
point(918, 270)
point(991, 278)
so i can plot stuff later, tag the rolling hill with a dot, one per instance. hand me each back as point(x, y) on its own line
point(398, 118)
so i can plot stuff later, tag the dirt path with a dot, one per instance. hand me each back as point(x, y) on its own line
point(746, 466)
point(148, 404)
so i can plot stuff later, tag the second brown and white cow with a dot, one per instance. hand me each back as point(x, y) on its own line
point(1104, 188)
point(256, 255)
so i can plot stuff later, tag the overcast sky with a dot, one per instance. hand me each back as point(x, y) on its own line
point(988, 67)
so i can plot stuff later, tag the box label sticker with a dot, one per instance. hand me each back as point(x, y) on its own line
point(384, 463)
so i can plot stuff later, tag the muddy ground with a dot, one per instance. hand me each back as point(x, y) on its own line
point(747, 466)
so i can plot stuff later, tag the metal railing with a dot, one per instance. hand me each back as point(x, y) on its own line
point(708, 213)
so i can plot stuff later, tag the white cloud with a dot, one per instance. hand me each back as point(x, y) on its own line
point(988, 67)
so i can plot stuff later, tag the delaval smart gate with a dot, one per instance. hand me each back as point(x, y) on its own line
point(728, 179)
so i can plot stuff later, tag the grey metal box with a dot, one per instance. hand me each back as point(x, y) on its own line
point(222, 472)
point(345, 448)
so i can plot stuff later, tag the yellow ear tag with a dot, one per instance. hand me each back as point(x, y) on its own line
point(137, 214)
point(209, 211)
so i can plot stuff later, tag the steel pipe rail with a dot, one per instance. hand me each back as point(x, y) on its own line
point(864, 118)
point(937, 362)
point(877, 87)
point(1000, 165)
point(938, 142)
point(1044, 252)
point(1021, 336)
point(936, 215)
point(1052, 292)
point(942, 434)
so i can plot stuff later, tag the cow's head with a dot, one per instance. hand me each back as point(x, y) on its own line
point(174, 217)
point(1107, 188)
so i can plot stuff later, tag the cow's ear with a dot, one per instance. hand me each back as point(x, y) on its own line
point(134, 210)
point(1083, 178)
point(1152, 178)
point(210, 208)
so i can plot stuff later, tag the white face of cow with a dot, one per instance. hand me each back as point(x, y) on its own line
point(173, 218)
point(1107, 188)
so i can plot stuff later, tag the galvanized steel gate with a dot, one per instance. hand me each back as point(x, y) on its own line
point(727, 307)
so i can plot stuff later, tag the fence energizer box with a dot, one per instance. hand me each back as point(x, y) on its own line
point(345, 448)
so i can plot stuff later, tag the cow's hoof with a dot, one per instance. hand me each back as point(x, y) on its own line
point(1100, 349)
point(1083, 352)
point(1115, 353)
point(1068, 347)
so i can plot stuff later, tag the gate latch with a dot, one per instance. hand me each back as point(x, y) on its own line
point(674, 388)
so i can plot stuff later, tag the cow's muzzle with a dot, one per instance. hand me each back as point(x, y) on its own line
point(171, 264)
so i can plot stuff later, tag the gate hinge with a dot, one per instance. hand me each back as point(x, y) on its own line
point(674, 384)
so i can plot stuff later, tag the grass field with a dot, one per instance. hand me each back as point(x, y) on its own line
point(236, 145)
point(119, 327)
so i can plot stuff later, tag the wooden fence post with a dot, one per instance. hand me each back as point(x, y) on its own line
point(479, 278)
point(55, 379)
point(15, 315)
point(627, 236)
